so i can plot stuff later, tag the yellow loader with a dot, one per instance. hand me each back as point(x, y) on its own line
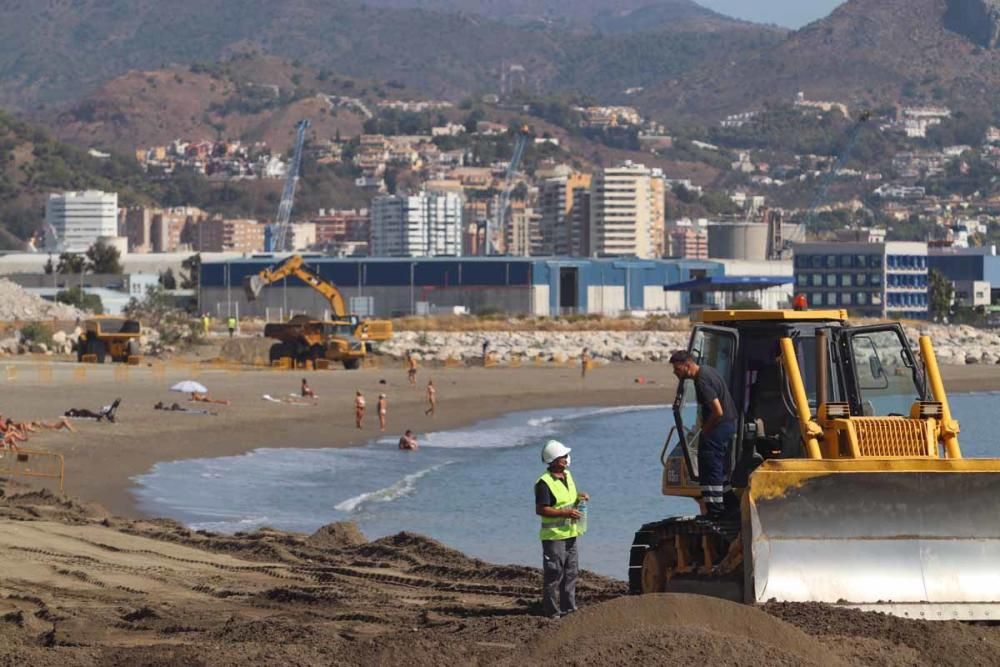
point(849, 485)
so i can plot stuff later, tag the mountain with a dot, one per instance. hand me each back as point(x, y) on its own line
point(605, 15)
point(255, 98)
point(867, 53)
point(56, 51)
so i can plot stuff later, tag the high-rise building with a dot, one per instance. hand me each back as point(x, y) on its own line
point(79, 219)
point(560, 222)
point(427, 224)
point(626, 212)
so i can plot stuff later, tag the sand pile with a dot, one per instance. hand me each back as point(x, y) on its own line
point(17, 304)
point(83, 588)
point(247, 351)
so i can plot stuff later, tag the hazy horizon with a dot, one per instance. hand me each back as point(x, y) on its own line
point(788, 13)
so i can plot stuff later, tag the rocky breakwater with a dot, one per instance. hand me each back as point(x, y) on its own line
point(959, 344)
point(556, 346)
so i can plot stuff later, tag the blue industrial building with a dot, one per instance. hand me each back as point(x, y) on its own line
point(388, 287)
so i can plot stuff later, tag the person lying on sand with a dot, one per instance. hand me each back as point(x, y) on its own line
point(408, 441)
point(176, 407)
point(205, 398)
point(107, 412)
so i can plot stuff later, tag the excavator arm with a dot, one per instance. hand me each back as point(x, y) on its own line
point(295, 266)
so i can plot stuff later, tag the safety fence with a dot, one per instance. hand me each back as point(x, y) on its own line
point(32, 464)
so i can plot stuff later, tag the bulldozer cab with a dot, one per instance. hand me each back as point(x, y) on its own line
point(869, 370)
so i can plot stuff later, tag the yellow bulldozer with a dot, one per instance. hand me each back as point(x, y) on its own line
point(848, 482)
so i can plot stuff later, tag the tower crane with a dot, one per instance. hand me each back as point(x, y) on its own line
point(515, 162)
point(279, 234)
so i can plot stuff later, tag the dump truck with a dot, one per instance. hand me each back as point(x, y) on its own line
point(306, 340)
point(846, 471)
point(117, 337)
point(369, 330)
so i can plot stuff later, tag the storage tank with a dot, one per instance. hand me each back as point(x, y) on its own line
point(738, 240)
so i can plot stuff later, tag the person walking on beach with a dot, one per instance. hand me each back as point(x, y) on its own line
point(411, 368)
point(408, 440)
point(359, 408)
point(381, 411)
point(432, 400)
point(486, 349)
point(718, 425)
point(231, 325)
point(557, 502)
point(584, 362)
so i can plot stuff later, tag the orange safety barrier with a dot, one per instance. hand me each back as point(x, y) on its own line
point(32, 463)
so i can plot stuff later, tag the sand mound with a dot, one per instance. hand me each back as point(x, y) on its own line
point(246, 350)
point(337, 535)
point(678, 629)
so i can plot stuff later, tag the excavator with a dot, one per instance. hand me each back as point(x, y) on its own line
point(848, 481)
point(369, 330)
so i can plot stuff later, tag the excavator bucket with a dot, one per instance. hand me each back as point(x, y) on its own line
point(252, 285)
point(917, 538)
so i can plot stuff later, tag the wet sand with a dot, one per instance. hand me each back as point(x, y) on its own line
point(102, 458)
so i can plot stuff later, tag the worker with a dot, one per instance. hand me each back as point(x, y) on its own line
point(206, 323)
point(231, 324)
point(718, 425)
point(557, 502)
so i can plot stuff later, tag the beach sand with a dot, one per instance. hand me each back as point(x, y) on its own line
point(89, 582)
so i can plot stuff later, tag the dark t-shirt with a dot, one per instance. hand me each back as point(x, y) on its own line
point(708, 386)
point(543, 494)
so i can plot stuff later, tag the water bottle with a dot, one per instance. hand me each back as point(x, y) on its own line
point(581, 523)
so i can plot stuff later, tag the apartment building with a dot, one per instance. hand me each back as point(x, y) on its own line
point(219, 235)
point(428, 224)
point(76, 220)
point(560, 223)
point(159, 230)
point(626, 212)
point(337, 228)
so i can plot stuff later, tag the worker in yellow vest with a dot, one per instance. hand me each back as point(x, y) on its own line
point(231, 325)
point(561, 508)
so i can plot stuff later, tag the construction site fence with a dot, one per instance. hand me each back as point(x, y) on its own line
point(26, 464)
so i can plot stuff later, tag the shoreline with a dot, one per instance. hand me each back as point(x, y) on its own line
point(101, 459)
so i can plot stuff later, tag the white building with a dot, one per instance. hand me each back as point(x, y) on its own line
point(427, 224)
point(626, 212)
point(79, 219)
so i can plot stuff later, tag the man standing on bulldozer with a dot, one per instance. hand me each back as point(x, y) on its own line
point(718, 425)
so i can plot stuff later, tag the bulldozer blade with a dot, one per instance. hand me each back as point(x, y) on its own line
point(913, 538)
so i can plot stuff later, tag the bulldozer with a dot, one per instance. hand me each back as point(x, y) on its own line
point(117, 337)
point(848, 481)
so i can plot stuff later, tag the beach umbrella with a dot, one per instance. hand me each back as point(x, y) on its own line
point(189, 387)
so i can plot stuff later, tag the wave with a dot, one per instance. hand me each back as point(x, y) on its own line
point(403, 487)
point(511, 431)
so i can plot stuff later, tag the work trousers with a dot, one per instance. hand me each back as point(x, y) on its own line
point(712, 451)
point(561, 567)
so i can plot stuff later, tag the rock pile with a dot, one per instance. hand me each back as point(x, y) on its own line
point(18, 304)
point(954, 344)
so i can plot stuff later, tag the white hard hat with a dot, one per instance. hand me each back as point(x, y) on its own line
point(553, 450)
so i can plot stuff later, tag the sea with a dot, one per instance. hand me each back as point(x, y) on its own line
point(470, 488)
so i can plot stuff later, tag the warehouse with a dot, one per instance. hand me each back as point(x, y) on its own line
point(393, 287)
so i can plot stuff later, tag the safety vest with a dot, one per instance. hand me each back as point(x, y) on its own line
point(231, 322)
point(559, 528)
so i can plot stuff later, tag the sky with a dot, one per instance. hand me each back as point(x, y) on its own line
point(788, 13)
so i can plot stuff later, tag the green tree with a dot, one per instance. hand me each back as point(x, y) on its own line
point(167, 279)
point(940, 293)
point(192, 272)
point(71, 263)
point(104, 258)
point(75, 296)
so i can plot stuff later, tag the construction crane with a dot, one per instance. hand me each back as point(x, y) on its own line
point(372, 330)
point(279, 232)
point(499, 227)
